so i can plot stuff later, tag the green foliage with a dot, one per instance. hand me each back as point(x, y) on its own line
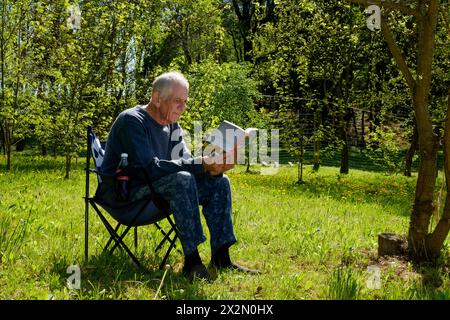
point(220, 92)
point(195, 28)
point(76, 73)
point(56, 79)
point(385, 149)
point(312, 57)
point(234, 101)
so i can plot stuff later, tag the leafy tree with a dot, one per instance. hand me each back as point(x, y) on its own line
point(220, 92)
point(15, 41)
point(250, 15)
point(312, 55)
point(423, 244)
point(76, 95)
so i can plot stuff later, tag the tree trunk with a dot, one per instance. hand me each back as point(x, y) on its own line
point(7, 141)
point(344, 154)
point(300, 170)
point(244, 13)
point(4, 125)
point(422, 245)
point(8, 157)
point(363, 131)
point(411, 152)
point(418, 246)
point(237, 50)
point(302, 148)
point(2, 140)
point(418, 237)
point(20, 145)
point(374, 123)
point(8, 149)
point(187, 53)
point(423, 203)
point(344, 151)
point(44, 150)
point(68, 162)
point(248, 47)
point(355, 127)
point(316, 161)
point(435, 240)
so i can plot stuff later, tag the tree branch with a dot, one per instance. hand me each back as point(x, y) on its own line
point(269, 16)
point(440, 233)
point(447, 144)
point(444, 11)
point(237, 10)
point(397, 54)
point(393, 47)
point(398, 5)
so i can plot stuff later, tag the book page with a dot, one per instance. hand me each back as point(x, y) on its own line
point(227, 136)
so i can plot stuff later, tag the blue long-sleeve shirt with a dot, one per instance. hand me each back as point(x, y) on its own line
point(159, 149)
point(148, 144)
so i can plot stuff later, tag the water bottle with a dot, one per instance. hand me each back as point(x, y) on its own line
point(122, 180)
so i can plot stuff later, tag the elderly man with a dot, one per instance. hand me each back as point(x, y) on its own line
point(149, 135)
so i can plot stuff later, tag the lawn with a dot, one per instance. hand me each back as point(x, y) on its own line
point(316, 240)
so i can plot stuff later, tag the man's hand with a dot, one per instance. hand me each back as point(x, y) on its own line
point(217, 164)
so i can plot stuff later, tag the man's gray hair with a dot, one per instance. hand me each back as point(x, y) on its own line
point(164, 83)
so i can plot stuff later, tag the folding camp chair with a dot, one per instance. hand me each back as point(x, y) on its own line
point(95, 149)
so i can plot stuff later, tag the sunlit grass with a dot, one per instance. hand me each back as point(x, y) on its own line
point(311, 241)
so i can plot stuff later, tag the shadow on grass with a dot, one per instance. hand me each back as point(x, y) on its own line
point(386, 193)
point(116, 277)
point(28, 163)
point(394, 193)
point(435, 279)
point(421, 280)
point(361, 159)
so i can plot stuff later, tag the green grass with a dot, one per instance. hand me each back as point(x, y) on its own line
point(311, 241)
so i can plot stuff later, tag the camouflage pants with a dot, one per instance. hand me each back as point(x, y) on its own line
point(185, 192)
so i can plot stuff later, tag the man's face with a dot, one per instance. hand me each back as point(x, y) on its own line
point(175, 104)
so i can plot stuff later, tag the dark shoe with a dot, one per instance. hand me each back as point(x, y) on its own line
point(238, 267)
point(197, 272)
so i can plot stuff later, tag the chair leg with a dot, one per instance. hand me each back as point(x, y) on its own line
point(119, 243)
point(166, 237)
point(114, 236)
point(120, 239)
point(111, 238)
point(86, 229)
point(172, 245)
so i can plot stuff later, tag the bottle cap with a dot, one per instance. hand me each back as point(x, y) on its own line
point(124, 155)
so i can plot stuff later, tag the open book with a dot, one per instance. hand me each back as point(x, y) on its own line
point(227, 136)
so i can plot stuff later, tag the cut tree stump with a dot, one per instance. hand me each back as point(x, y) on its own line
point(390, 244)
